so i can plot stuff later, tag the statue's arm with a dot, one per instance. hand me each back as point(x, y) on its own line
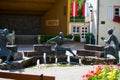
point(52, 39)
point(108, 41)
point(70, 40)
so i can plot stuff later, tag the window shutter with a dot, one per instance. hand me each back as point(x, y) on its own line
point(111, 12)
point(119, 11)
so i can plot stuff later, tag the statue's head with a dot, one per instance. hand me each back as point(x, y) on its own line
point(61, 34)
point(6, 31)
point(110, 31)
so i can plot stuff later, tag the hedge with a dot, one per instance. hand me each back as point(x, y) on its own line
point(44, 37)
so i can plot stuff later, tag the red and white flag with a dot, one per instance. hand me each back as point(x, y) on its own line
point(74, 9)
point(85, 9)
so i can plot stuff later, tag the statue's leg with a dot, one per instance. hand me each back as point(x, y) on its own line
point(65, 49)
point(68, 49)
point(7, 54)
point(105, 52)
point(116, 55)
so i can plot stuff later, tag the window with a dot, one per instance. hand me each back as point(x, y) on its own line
point(117, 11)
point(116, 14)
point(76, 29)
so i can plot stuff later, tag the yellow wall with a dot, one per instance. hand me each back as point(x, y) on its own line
point(56, 12)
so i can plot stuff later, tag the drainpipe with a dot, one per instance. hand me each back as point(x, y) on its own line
point(98, 5)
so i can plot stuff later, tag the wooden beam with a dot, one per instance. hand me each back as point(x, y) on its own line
point(24, 6)
point(23, 12)
point(19, 76)
point(38, 1)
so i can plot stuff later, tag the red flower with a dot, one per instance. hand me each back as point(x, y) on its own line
point(118, 66)
point(92, 72)
point(99, 68)
point(96, 74)
point(88, 75)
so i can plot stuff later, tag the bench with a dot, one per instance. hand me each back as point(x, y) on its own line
point(19, 76)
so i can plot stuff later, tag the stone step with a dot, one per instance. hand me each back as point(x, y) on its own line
point(83, 52)
point(94, 47)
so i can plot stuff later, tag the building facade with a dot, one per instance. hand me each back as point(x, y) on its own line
point(108, 10)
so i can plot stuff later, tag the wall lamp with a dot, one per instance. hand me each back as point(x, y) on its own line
point(91, 8)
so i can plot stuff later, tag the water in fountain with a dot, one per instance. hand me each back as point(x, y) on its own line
point(38, 63)
point(44, 57)
point(68, 59)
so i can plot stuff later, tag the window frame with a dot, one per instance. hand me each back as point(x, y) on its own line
point(116, 13)
point(75, 29)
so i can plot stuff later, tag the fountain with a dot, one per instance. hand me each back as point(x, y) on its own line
point(44, 58)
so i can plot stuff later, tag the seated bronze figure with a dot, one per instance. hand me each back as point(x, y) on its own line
point(3, 41)
point(109, 48)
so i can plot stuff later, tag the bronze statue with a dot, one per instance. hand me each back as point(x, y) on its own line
point(3, 41)
point(109, 48)
point(59, 40)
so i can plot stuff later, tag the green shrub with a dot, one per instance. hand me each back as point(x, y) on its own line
point(43, 38)
point(88, 35)
point(77, 38)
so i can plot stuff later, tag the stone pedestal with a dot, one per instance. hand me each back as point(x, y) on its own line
point(95, 60)
point(13, 48)
point(41, 49)
point(17, 64)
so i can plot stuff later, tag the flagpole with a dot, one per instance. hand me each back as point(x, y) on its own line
point(75, 13)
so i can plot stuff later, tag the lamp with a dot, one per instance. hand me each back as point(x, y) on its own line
point(91, 8)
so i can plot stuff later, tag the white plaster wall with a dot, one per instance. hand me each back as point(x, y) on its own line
point(79, 24)
point(103, 16)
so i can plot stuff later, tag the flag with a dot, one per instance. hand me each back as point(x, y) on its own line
point(85, 9)
point(74, 9)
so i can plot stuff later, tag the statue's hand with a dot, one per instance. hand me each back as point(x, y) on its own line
point(73, 36)
point(102, 38)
